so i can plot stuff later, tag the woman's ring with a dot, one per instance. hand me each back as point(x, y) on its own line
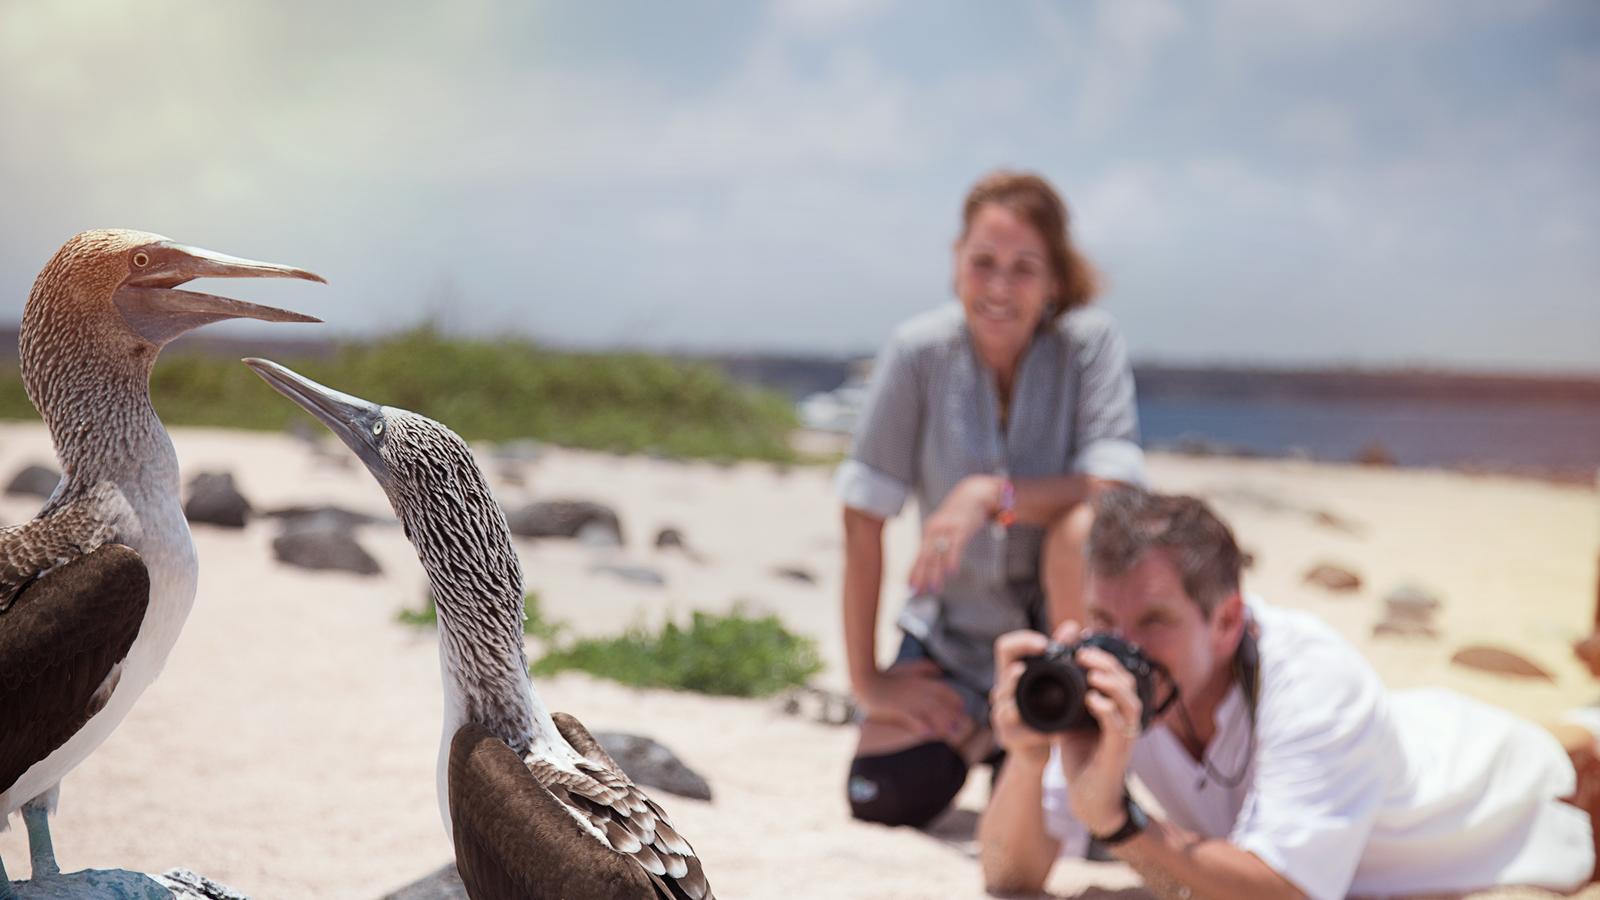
point(940, 545)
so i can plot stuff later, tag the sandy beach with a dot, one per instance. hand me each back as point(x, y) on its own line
point(288, 749)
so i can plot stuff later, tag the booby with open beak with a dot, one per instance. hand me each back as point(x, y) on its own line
point(535, 806)
point(78, 646)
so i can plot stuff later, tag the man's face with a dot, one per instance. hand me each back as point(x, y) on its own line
point(1148, 606)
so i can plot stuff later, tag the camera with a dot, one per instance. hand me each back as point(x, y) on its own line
point(1051, 691)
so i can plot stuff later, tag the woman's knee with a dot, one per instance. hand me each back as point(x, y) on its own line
point(908, 787)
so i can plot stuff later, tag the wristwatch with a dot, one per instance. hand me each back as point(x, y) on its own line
point(1131, 827)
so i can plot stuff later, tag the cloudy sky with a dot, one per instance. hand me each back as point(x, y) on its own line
point(1263, 181)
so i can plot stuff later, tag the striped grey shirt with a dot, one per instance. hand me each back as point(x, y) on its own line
point(931, 418)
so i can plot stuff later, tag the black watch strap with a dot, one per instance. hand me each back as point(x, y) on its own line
point(1131, 827)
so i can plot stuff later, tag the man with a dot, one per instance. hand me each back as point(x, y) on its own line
point(1283, 768)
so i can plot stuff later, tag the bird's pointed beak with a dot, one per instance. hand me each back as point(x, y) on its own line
point(152, 306)
point(357, 422)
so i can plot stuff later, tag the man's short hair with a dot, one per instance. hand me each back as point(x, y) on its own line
point(1129, 523)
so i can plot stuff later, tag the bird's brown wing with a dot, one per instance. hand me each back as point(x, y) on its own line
point(68, 528)
point(515, 839)
point(62, 643)
point(632, 822)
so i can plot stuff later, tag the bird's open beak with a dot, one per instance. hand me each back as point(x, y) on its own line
point(357, 422)
point(152, 306)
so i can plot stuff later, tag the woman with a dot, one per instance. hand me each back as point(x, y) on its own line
point(1003, 416)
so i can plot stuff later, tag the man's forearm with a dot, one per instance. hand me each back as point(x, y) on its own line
point(1180, 865)
point(1013, 848)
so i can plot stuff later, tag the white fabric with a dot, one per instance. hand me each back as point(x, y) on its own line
point(862, 487)
point(1355, 790)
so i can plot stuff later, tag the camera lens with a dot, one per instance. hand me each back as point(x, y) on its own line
point(1050, 695)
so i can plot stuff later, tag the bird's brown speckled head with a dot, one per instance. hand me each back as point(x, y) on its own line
point(99, 314)
point(107, 302)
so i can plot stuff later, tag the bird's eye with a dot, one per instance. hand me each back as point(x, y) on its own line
point(377, 428)
point(141, 259)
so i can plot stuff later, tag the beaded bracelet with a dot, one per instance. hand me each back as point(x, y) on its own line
point(1006, 514)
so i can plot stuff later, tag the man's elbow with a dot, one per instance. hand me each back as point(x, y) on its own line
point(1012, 886)
point(1005, 878)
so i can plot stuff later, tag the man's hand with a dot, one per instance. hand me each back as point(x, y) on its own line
point(965, 509)
point(1096, 764)
point(914, 696)
point(1009, 730)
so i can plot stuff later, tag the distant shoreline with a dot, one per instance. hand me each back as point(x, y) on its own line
point(799, 374)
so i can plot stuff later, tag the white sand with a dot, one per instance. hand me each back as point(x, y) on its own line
point(289, 747)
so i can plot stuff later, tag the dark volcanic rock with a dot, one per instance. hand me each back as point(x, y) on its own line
point(795, 573)
point(325, 517)
point(635, 574)
point(35, 481)
point(445, 884)
point(320, 548)
point(820, 705)
point(174, 884)
point(187, 885)
point(650, 764)
point(561, 518)
point(1333, 578)
point(214, 500)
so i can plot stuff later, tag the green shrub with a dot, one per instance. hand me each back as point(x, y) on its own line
point(731, 655)
point(491, 390)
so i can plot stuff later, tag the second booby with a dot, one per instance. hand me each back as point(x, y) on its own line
point(535, 806)
point(100, 628)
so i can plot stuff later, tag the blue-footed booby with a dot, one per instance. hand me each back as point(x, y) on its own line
point(84, 630)
point(535, 806)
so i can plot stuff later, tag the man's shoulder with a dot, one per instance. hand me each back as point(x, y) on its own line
point(1300, 653)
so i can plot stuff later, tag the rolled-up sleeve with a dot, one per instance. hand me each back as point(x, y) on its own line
point(878, 476)
point(1107, 444)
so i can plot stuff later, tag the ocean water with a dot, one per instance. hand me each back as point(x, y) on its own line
point(1551, 438)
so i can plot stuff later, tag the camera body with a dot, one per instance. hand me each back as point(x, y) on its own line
point(1052, 689)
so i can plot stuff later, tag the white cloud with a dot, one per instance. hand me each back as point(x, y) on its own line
point(818, 18)
point(1127, 35)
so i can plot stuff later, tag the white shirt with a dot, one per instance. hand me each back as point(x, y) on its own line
point(1352, 789)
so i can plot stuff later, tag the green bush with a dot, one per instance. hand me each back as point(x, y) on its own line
point(534, 625)
point(732, 655)
point(491, 390)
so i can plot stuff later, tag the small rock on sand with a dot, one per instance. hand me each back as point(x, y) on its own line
point(214, 499)
point(35, 480)
point(648, 763)
point(1497, 661)
point(1333, 578)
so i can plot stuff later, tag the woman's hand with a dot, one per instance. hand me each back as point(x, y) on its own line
point(914, 696)
point(967, 508)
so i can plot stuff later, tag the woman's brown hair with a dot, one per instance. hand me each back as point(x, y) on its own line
point(1031, 197)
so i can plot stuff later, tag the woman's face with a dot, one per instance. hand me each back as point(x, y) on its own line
point(1004, 282)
